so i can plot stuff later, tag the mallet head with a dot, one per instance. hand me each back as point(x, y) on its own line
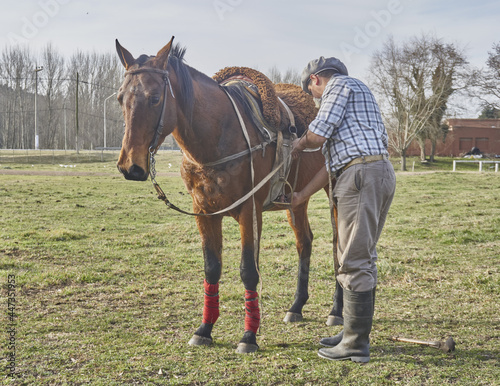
point(448, 346)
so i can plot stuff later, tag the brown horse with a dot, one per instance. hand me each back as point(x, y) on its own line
point(198, 113)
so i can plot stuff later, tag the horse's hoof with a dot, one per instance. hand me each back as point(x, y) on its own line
point(335, 320)
point(246, 348)
point(197, 340)
point(291, 317)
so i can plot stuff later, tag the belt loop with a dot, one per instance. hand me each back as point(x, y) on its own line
point(363, 158)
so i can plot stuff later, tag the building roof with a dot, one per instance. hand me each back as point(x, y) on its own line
point(474, 123)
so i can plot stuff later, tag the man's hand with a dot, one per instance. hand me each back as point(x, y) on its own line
point(297, 148)
point(308, 140)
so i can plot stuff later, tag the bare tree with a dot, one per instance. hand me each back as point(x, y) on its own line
point(449, 75)
point(290, 76)
point(100, 77)
point(414, 80)
point(18, 66)
point(54, 74)
point(488, 80)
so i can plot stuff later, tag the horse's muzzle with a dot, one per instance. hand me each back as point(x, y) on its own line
point(134, 173)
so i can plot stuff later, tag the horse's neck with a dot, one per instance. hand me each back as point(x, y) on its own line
point(203, 137)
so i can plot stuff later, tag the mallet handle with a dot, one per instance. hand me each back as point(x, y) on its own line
point(424, 342)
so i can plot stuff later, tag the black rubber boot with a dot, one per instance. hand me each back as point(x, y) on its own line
point(335, 340)
point(332, 341)
point(358, 318)
point(335, 318)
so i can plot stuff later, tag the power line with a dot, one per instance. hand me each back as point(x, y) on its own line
point(101, 85)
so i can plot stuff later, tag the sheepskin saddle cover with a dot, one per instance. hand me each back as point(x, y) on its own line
point(271, 108)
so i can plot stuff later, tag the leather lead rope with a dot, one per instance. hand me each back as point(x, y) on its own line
point(162, 196)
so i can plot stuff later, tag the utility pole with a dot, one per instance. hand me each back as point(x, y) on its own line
point(76, 112)
point(37, 70)
point(65, 129)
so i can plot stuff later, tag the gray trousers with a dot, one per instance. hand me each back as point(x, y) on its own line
point(363, 193)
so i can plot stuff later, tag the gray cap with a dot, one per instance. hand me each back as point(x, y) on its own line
point(318, 65)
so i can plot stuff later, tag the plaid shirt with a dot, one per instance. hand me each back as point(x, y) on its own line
point(350, 117)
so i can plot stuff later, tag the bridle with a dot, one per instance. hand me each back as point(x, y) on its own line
point(153, 147)
point(167, 86)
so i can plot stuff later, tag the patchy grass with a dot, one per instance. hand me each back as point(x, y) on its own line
point(109, 285)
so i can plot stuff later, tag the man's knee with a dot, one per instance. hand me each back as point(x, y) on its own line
point(358, 281)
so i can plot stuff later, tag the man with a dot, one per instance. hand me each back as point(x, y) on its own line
point(349, 128)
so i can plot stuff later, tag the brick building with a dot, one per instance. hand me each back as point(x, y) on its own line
point(463, 135)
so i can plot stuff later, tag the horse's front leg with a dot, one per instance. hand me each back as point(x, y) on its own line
point(249, 272)
point(211, 237)
point(304, 238)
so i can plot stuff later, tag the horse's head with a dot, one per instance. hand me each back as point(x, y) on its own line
point(146, 98)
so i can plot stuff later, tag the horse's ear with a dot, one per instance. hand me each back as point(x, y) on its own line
point(162, 55)
point(126, 57)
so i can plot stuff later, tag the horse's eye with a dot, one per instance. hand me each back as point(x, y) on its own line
point(155, 100)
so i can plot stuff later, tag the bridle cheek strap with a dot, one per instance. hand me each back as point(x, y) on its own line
point(159, 128)
point(168, 87)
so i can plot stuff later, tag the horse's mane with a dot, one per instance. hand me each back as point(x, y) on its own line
point(178, 51)
point(176, 59)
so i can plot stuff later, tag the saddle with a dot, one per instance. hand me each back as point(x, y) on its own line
point(273, 118)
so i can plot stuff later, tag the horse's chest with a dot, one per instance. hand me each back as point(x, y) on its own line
point(211, 190)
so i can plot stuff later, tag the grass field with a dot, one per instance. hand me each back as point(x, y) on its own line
point(108, 283)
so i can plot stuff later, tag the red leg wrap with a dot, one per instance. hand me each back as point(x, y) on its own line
point(252, 312)
point(211, 306)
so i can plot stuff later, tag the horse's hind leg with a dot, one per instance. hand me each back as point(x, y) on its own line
point(335, 318)
point(211, 236)
point(304, 238)
point(249, 272)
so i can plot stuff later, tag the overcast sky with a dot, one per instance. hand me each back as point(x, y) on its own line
point(252, 33)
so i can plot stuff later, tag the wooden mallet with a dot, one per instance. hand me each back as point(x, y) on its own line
point(446, 346)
